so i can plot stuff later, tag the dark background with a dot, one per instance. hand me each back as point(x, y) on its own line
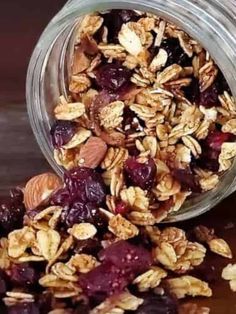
point(21, 23)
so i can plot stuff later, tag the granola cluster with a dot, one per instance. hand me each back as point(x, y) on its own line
point(79, 258)
point(143, 95)
point(148, 121)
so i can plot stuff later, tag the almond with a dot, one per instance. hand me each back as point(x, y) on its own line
point(93, 152)
point(80, 63)
point(114, 138)
point(39, 188)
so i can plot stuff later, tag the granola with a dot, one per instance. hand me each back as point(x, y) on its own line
point(147, 123)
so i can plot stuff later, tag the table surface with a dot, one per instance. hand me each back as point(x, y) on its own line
point(21, 23)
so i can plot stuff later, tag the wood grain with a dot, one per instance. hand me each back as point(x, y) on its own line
point(21, 23)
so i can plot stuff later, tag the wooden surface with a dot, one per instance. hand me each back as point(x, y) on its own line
point(21, 22)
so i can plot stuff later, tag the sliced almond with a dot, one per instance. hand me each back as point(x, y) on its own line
point(92, 153)
point(80, 62)
point(130, 40)
point(39, 188)
point(159, 61)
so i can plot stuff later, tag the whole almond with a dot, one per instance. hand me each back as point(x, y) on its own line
point(92, 152)
point(39, 188)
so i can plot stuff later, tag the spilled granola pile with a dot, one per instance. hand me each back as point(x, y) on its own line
point(148, 121)
point(149, 109)
point(62, 252)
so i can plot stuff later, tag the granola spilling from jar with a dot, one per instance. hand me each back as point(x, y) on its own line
point(63, 252)
point(149, 109)
point(149, 120)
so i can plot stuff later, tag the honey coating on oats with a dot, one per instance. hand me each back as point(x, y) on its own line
point(148, 121)
point(158, 103)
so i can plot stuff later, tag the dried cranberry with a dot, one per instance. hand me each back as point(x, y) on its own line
point(24, 308)
point(209, 98)
point(175, 53)
point(12, 211)
point(23, 275)
point(114, 20)
point(86, 185)
point(187, 179)
point(112, 76)
point(121, 208)
point(62, 132)
point(103, 281)
point(192, 91)
point(140, 174)
point(158, 304)
point(79, 212)
point(211, 148)
point(61, 197)
point(130, 258)
point(216, 139)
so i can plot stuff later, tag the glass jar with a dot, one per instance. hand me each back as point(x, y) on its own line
point(211, 22)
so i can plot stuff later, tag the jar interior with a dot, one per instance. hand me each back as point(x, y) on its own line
point(54, 76)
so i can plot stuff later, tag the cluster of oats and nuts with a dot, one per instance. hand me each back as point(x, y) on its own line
point(149, 109)
point(60, 254)
point(148, 120)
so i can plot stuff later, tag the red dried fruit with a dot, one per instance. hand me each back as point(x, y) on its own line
point(86, 185)
point(103, 281)
point(130, 258)
point(61, 197)
point(62, 132)
point(140, 174)
point(121, 208)
point(187, 179)
point(12, 211)
point(209, 98)
point(112, 76)
point(216, 139)
point(79, 212)
point(211, 148)
point(23, 275)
